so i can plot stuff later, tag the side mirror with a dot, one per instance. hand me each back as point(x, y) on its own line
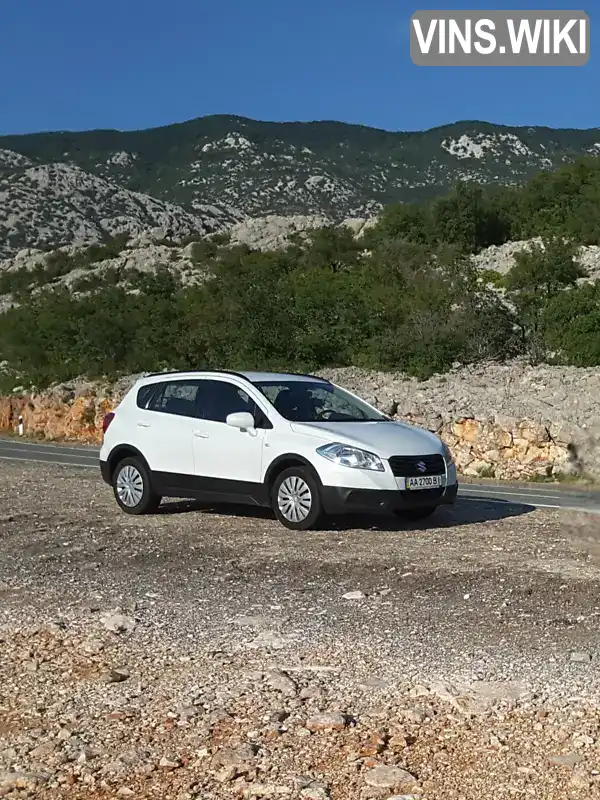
point(241, 419)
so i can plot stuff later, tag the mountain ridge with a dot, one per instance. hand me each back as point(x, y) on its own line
point(237, 168)
point(323, 121)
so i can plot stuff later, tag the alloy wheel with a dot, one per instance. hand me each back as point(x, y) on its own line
point(294, 499)
point(130, 486)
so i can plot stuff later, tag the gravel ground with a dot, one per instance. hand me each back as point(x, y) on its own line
point(202, 654)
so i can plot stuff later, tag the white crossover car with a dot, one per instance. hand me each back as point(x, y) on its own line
point(295, 443)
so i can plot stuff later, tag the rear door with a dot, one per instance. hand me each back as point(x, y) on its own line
point(165, 430)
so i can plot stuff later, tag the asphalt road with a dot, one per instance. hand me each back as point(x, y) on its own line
point(538, 496)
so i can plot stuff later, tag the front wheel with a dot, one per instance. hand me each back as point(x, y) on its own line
point(296, 499)
point(133, 489)
point(416, 514)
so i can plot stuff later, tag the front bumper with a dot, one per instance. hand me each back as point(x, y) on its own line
point(340, 500)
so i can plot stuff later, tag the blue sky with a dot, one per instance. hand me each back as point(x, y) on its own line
point(81, 64)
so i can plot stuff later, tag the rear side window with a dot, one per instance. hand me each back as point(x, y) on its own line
point(145, 393)
point(177, 397)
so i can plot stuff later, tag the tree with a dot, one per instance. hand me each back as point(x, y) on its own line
point(537, 277)
point(467, 219)
point(545, 268)
point(565, 202)
point(571, 326)
point(406, 221)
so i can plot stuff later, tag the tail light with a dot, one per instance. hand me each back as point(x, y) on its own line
point(107, 420)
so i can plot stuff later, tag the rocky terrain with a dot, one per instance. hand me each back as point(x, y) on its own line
point(57, 188)
point(151, 249)
point(46, 205)
point(509, 421)
point(203, 654)
point(142, 254)
point(501, 258)
point(157, 248)
point(273, 232)
point(199, 654)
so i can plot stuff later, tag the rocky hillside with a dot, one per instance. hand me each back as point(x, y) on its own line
point(324, 168)
point(46, 205)
point(144, 252)
point(149, 251)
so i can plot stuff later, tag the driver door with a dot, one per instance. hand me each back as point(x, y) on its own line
point(227, 459)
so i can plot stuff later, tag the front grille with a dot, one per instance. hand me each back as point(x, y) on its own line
point(406, 466)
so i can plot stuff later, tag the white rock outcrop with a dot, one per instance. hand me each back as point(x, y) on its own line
point(272, 232)
point(501, 258)
point(56, 204)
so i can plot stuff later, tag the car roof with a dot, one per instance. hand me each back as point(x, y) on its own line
point(259, 377)
point(253, 377)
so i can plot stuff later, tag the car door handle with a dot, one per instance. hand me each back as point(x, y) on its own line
point(200, 435)
point(143, 424)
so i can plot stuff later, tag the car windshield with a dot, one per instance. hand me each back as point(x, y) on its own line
point(309, 401)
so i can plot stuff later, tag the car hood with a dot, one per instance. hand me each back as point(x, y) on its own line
point(383, 438)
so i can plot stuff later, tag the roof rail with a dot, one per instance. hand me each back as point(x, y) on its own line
point(169, 372)
point(306, 375)
point(232, 372)
point(189, 371)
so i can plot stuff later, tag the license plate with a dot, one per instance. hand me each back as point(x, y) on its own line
point(425, 482)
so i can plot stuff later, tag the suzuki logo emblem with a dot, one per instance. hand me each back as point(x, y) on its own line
point(422, 466)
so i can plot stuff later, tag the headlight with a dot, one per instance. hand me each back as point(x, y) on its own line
point(347, 456)
point(448, 457)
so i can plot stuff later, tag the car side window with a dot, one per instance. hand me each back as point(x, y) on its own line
point(223, 398)
point(145, 393)
point(180, 398)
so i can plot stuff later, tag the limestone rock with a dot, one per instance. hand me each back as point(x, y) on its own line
point(330, 721)
point(265, 233)
point(501, 258)
point(60, 203)
point(384, 777)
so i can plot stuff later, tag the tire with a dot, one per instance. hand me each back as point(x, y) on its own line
point(416, 514)
point(133, 489)
point(306, 512)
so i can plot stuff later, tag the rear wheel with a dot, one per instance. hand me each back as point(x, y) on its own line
point(133, 488)
point(296, 499)
point(416, 514)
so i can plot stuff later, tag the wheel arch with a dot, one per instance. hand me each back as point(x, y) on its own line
point(122, 451)
point(285, 461)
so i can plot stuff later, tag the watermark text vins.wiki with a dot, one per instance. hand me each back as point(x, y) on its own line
point(500, 38)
